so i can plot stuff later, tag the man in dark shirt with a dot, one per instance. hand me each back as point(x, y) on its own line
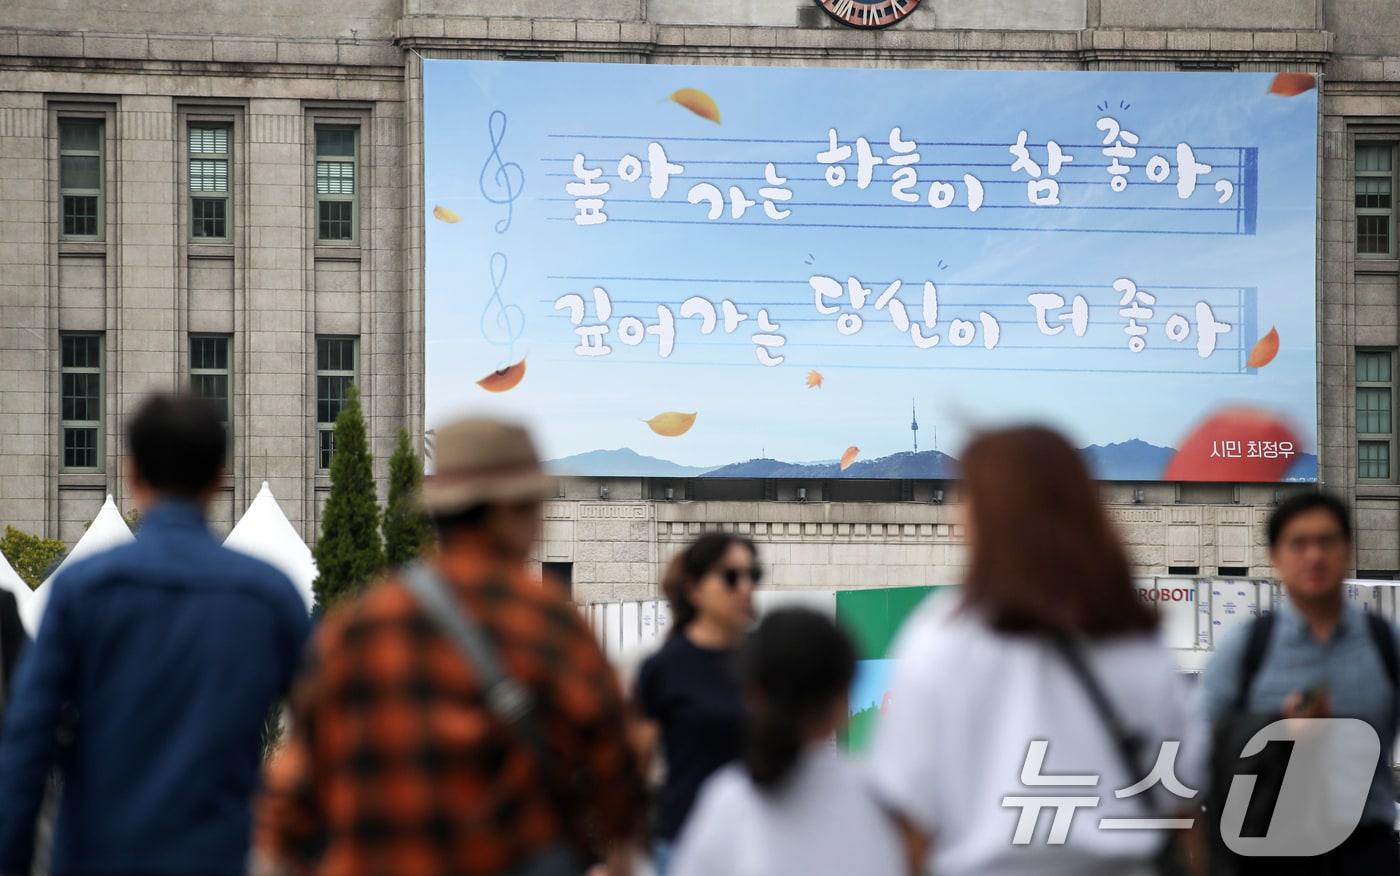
point(12, 641)
point(1321, 657)
point(157, 662)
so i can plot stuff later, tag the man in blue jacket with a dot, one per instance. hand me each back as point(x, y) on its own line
point(150, 678)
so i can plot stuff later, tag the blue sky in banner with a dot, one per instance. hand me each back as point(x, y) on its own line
point(1250, 259)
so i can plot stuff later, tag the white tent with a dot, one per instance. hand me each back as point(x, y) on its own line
point(266, 533)
point(107, 530)
point(11, 581)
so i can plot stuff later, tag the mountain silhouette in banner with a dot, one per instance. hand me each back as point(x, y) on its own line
point(1304, 468)
point(622, 462)
point(925, 465)
point(1132, 460)
point(1129, 461)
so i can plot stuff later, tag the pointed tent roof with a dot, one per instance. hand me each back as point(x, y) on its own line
point(106, 531)
point(11, 581)
point(265, 532)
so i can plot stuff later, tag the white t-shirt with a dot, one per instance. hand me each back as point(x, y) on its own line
point(823, 821)
point(966, 704)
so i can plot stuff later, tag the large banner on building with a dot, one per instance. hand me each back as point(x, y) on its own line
point(765, 272)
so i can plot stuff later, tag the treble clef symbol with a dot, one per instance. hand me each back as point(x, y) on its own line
point(508, 319)
point(507, 179)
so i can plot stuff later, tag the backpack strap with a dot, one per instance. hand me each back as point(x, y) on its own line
point(508, 700)
point(1384, 637)
point(1258, 643)
point(1127, 743)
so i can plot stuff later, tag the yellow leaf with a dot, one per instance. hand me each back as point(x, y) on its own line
point(1265, 350)
point(671, 424)
point(698, 102)
point(449, 216)
point(814, 380)
point(849, 457)
point(505, 379)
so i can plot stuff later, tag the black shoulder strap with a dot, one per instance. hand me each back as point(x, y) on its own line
point(1259, 631)
point(1128, 743)
point(508, 700)
point(1384, 637)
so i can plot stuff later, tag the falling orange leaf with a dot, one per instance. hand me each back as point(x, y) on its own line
point(1265, 350)
point(849, 457)
point(697, 102)
point(1293, 84)
point(814, 380)
point(505, 379)
point(449, 216)
point(671, 424)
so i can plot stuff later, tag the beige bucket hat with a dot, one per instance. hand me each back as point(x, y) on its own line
point(477, 461)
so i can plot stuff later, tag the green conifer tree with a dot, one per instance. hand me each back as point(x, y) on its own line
point(405, 527)
point(349, 551)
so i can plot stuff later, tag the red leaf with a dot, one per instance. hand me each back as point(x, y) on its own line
point(1293, 84)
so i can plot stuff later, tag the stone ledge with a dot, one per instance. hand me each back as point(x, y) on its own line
point(1085, 46)
point(632, 36)
point(186, 50)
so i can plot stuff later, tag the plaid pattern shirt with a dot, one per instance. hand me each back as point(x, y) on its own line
point(395, 766)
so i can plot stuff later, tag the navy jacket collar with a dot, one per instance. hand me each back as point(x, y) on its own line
point(171, 515)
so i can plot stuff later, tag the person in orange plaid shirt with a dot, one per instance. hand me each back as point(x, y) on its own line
point(396, 763)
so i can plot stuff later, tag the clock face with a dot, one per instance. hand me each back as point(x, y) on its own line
point(868, 13)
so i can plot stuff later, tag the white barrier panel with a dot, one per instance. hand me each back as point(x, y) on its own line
point(1176, 601)
point(612, 630)
point(663, 620)
point(820, 601)
point(649, 636)
point(1195, 612)
point(631, 626)
point(1232, 602)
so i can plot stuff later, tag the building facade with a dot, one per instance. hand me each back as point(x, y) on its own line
point(231, 198)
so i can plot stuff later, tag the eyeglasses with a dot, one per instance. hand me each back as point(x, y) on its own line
point(1326, 542)
point(731, 576)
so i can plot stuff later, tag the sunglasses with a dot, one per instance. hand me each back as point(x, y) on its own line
point(731, 576)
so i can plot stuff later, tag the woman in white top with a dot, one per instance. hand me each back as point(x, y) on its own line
point(982, 675)
point(793, 807)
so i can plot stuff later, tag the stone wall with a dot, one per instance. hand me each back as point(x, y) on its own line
point(146, 286)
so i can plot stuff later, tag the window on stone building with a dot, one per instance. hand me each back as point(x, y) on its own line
point(80, 177)
point(337, 169)
point(210, 182)
point(560, 575)
point(210, 372)
point(335, 374)
point(1375, 218)
point(81, 399)
point(1375, 421)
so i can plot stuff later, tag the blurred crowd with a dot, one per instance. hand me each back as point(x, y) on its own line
point(460, 718)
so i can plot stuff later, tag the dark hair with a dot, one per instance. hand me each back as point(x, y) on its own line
point(689, 566)
point(1302, 504)
point(1045, 558)
point(472, 517)
point(177, 443)
point(794, 666)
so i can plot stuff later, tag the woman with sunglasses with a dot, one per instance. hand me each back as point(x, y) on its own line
point(688, 692)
